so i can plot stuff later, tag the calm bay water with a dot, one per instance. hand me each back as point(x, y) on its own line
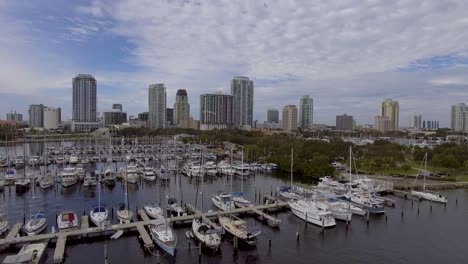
point(432, 236)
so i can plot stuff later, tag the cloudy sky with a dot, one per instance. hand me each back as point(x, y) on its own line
point(348, 55)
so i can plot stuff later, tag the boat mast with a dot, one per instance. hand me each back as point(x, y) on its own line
point(425, 171)
point(350, 166)
point(292, 166)
point(242, 172)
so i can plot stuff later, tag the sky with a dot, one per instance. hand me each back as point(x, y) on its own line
point(348, 55)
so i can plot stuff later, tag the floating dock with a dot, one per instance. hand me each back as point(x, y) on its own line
point(84, 230)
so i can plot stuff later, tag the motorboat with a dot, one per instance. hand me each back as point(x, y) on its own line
point(223, 201)
point(89, 180)
point(99, 215)
point(338, 212)
point(163, 173)
point(109, 178)
point(364, 200)
point(310, 212)
point(46, 181)
point(36, 224)
point(210, 168)
point(153, 210)
point(34, 161)
point(206, 234)
point(148, 174)
point(124, 215)
point(22, 185)
point(347, 205)
point(131, 174)
point(60, 160)
point(165, 237)
point(69, 177)
point(29, 253)
point(10, 175)
point(19, 162)
point(196, 171)
point(242, 170)
point(67, 220)
point(73, 159)
point(80, 171)
point(238, 228)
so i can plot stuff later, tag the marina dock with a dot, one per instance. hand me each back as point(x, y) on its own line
point(61, 237)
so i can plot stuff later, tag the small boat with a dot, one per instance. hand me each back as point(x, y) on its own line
point(174, 208)
point(240, 201)
point(19, 162)
point(124, 215)
point(69, 177)
point(80, 171)
point(165, 237)
point(425, 194)
point(223, 201)
point(288, 193)
point(10, 175)
point(22, 185)
point(238, 227)
point(148, 174)
point(164, 173)
point(34, 161)
point(46, 181)
point(242, 170)
point(366, 201)
point(89, 180)
point(29, 253)
point(99, 215)
point(132, 174)
point(153, 210)
point(206, 234)
point(3, 223)
point(36, 224)
point(210, 168)
point(67, 220)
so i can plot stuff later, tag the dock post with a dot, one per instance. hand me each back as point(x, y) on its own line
point(271, 190)
point(235, 245)
point(347, 222)
point(269, 244)
point(386, 218)
point(323, 226)
point(199, 253)
point(297, 235)
point(367, 217)
point(402, 213)
point(431, 206)
point(306, 221)
point(411, 203)
point(456, 201)
point(418, 209)
point(157, 256)
point(189, 242)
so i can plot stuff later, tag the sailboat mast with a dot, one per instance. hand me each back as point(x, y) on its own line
point(292, 165)
point(242, 172)
point(425, 171)
point(350, 166)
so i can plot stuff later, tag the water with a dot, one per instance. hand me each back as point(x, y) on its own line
point(432, 236)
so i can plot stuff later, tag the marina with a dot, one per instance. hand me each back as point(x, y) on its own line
point(269, 218)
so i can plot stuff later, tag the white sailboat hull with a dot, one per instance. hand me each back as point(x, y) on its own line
point(430, 196)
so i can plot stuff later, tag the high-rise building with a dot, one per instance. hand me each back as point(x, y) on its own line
point(344, 122)
point(36, 115)
point(84, 98)
point(306, 112)
point(273, 115)
point(170, 116)
point(415, 120)
point(382, 123)
point(459, 117)
point(242, 89)
point(157, 106)
point(216, 111)
point(117, 107)
point(289, 117)
point(430, 124)
point(391, 109)
point(181, 109)
point(52, 117)
point(143, 116)
point(13, 116)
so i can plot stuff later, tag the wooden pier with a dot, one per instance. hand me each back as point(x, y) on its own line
point(61, 236)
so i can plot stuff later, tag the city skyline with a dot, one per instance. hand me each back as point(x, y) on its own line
point(343, 68)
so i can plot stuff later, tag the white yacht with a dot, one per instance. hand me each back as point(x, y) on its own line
point(338, 212)
point(196, 171)
point(165, 237)
point(223, 201)
point(310, 212)
point(366, 201)
point(242, 170)
point(19, 161)
point(67, 220)
point(69, 177)
point(80, 171)
point(89, 180)
point(131, 174)
point(206, 234)
point(34, 161)
point(347, 205)
point(153, 210)
point(223, 167)
point(238, 227)
point(210, 168)
point(240, 201)
point(46, 181)
point(36, 224)
point(109, 178)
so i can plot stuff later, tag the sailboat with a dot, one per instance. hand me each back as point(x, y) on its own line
point(238, 198)
point(124, 214)
point(174, 208)
point(36, 224)
point(287, 192)
point(99, 215)
point(22, 185)
point(153, 210)
point(47, 180)
point(425, 194)
point(362, 198)
point(164, 236)
point(238, 227)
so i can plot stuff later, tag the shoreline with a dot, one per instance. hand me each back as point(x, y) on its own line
point(403, 184)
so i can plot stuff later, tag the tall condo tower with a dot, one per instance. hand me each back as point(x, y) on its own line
point(181, 109)
point(84, 98)
point(157, 106)
point(306, 112)
point(243, 92)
